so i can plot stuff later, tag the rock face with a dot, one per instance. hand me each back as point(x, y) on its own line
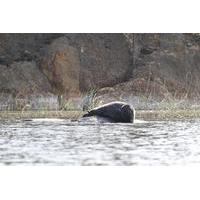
point(168, 61)
point(80, 62)
point(120, 65)
point(23, 78)
point(23, 47)
point(60, 63)
point(105, 59)
point(165, 67)
point(65, 64)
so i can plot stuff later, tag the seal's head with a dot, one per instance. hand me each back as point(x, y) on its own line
point(128, 113)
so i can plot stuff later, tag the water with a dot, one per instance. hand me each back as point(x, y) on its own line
point(61, 142)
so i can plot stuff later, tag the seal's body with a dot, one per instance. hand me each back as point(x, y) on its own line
point(114, 112)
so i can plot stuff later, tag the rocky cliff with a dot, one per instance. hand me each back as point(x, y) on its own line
point(165, 67)
point(161, 66)
point(72, 63)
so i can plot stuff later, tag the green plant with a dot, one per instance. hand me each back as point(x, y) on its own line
point(91, 100)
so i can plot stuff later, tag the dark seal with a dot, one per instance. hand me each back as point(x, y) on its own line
point(114, 112)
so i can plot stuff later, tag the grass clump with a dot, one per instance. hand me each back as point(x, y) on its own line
point(90, 100)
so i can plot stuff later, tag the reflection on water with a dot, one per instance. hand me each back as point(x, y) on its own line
point(61, 142)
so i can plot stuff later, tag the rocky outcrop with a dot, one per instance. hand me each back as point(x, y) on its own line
point(105, 59)
point(169, 61)
point(80, 62)
point(22, 79)
point(166, 67)
point(60, 63)
point(65, 64)
point(23, 47)
point(163, 66)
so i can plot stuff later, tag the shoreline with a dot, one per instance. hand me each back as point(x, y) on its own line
point(140, 114)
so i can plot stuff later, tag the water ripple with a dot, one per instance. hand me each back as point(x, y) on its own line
point(61, 142)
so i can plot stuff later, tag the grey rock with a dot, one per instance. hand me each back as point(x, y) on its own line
point(23, 78)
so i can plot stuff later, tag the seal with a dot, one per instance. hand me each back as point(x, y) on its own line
point(116, 112)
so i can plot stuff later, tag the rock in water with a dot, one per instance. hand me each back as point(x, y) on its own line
point(114, 111)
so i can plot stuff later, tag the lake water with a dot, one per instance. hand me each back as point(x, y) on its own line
point(61, 142)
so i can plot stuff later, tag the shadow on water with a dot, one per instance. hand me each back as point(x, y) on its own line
point(62, 142)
